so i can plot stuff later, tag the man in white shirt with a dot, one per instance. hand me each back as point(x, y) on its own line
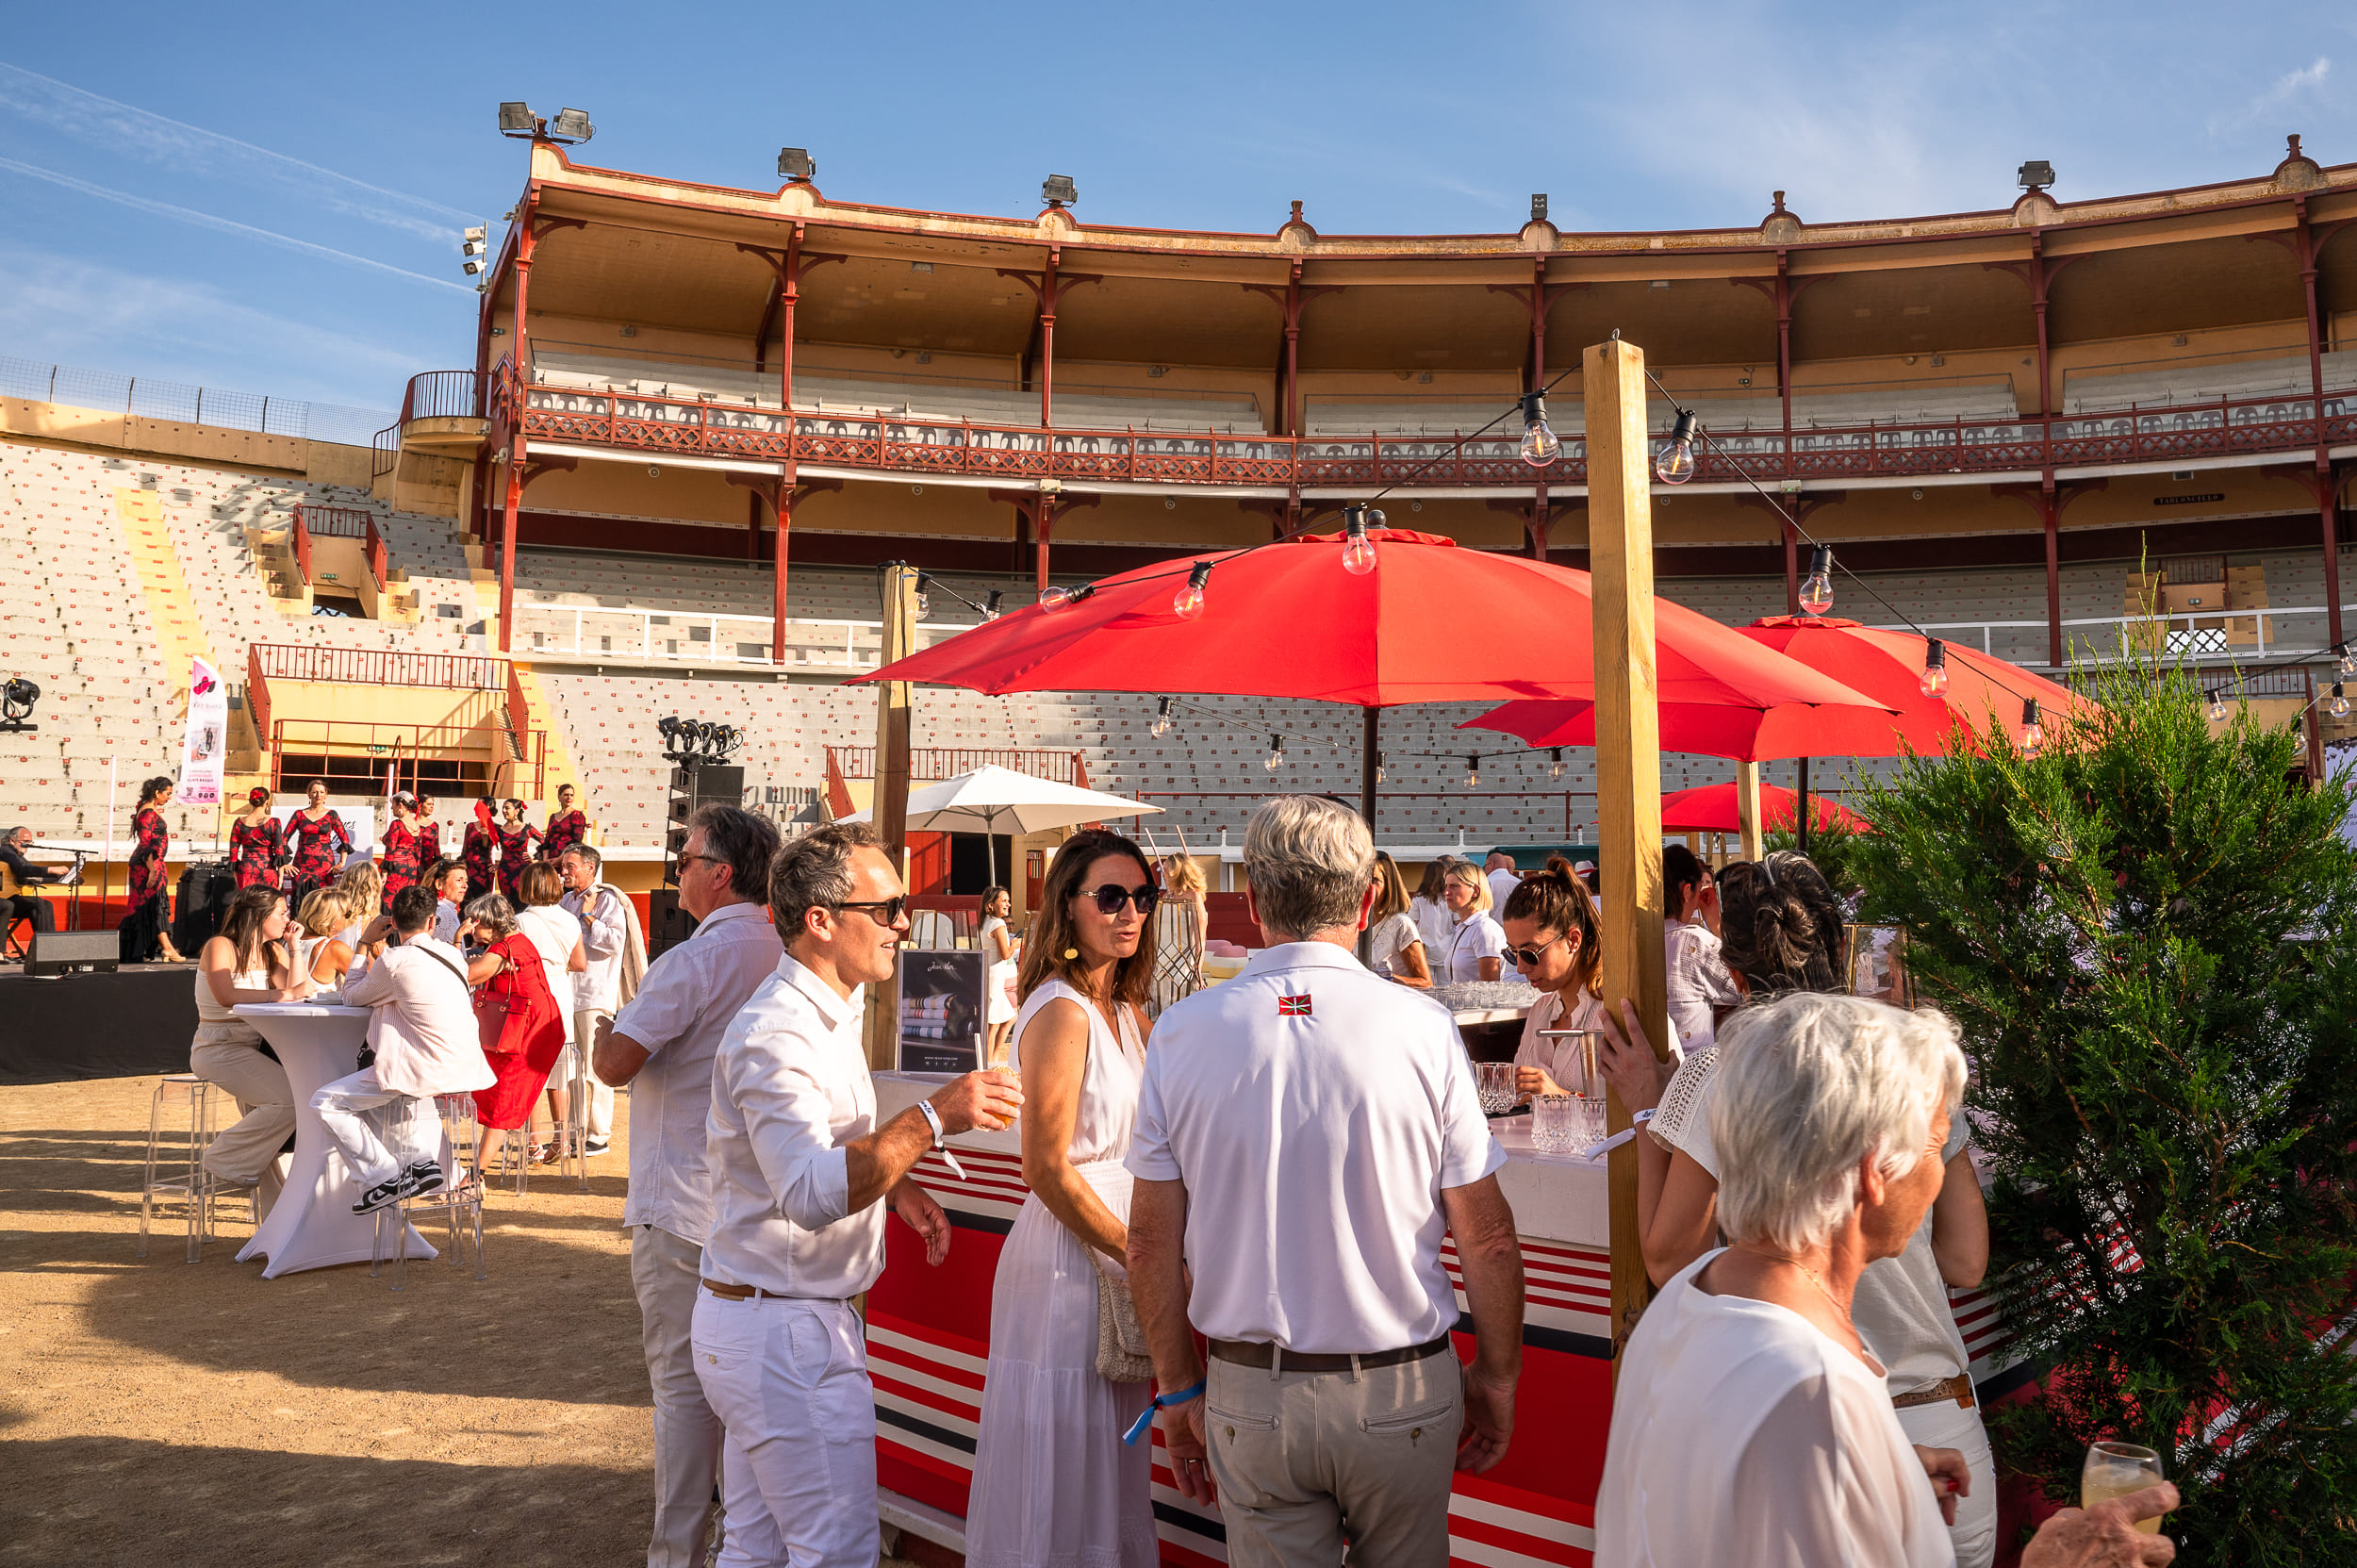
point(422, 1033)
point(800, 1173)
point(661, 1045)
point(1504, 879)
point(1306, 1133)
point(618, 962)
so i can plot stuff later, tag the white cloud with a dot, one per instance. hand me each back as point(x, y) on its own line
point(2282, 93)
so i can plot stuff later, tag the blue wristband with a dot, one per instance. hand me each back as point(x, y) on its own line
point(1160, 1401)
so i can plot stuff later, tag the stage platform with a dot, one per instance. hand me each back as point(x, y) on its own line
point(135, 1021)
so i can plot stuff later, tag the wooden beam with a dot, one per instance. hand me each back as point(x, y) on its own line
point(1747, 808)
point(888, 808)
point(1628, 756)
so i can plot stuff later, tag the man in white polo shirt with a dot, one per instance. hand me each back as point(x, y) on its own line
point(800, 1174)
point(662, 1045)
point(1306, 1133)
point(1504, 879)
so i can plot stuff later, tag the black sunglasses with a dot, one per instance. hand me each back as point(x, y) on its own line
point(1112, 897)
point(884, 911)
point(1529, 955)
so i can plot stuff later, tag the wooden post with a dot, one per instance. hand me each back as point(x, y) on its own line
point(1747, 808)
point(1628, 756)
point(888, 808)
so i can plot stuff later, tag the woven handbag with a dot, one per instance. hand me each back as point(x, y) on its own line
point(1121, 1356)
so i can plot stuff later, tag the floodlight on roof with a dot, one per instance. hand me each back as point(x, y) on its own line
point(1059, 191)
point(2034, 176)
point(474, 264)
point(570, 124)
point(796, 164)
point(519, 120)
point(1539, 207)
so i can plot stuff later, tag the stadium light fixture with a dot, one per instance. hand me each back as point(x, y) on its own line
point(2036, 175)
point(472, 247)
point(797, 165)
point(519, 120)
point(1059, 191)
point(571, 125)
point(1538, 207)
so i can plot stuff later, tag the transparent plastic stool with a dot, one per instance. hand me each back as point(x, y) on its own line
point(459, 1199)
point(182, 1163)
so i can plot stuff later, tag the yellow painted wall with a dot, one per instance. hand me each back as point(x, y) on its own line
point(325, 462)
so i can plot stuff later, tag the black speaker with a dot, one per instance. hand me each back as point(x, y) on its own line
point(691, 789)
point(66, 952)
point(667, 923)
point(205, 888)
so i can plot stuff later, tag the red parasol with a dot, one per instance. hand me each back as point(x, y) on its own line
point(1711, 809)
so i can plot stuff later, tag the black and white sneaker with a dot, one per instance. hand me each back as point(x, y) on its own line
point(596, 1146)
point(424, 1177)
point(383, 1195)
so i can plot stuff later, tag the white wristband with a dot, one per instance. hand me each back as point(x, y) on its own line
point(933, 1119)
point(1638, 1118)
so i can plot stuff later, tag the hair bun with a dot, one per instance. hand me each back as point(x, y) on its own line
point(1556, 863)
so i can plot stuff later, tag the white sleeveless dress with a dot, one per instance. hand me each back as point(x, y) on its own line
point(1054, 1487)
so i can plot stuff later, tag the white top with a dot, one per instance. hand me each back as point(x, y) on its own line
point(554, 934)
point(790, 1089)
point(1435, 921)
point(1502, 886)
point(990, 948)
point(1698, 981)
point(1107, 1111)
point(1389, 939)
point(1468, 942)
point(211, 1012)
point(445, 921)
point(1901, 1307)
point(1561, 1060)
point(1743, 1438)
point(604, 932)
point(422, 1020)
point(681, 1009)
point(1315, 1111)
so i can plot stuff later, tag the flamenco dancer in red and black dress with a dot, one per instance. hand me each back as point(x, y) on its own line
point(256, 842)
point(481, 848)
point(400, 854)
point(145, 933)
point(566, 827)
point(319, 842)
point(516, 839)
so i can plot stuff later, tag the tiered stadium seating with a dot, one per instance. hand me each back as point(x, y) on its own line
point(1334, 417)
point(2171, 386)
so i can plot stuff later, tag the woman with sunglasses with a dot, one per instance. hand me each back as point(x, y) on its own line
point(1053, 1483)
point(1476, 947)
point(1551, 924)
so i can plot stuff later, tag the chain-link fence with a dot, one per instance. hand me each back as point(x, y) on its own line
point(172, 399)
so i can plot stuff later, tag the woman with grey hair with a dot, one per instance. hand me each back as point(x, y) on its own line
point(1751, 1425)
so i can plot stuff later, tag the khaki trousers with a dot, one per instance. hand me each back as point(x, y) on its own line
point(1308, 1461)
point(664, 1268)
point(246, 1150)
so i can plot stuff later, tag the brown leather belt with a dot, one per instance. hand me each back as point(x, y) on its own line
point(1255, 1353)
point(1958, 1388)
point(742, 1292)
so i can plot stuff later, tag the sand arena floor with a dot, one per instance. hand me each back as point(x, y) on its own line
point(163, 1416)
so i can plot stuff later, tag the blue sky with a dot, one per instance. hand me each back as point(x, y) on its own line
point(272, 204)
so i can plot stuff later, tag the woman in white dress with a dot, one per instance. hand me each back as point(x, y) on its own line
point(1430, 906)
point(996, 941)
point(1550, 928)
point(1476, 947)
point(1699, 983)
point(1395, 942)
point(1054, 1485)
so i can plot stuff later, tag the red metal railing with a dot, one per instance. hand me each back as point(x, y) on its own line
point(299, 540)
point(433, 395)
point(324, 742)
point(1548, 796)
point(940, 762)
point(343, 522)
point(257, 693)
point(377, 667)
point(922, 444)
point(518, 711)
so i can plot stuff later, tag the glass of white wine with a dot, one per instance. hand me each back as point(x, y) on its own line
point(2115, 1470)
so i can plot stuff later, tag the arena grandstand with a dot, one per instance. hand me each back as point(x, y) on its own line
point(698, 418)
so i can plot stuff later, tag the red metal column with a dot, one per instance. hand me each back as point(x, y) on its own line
point(785, 523)
point(2050, 514)
point(1792, 564)
point(2327, 520)
point(1784, 384)
point(526, 242)
point(1043, 525)
point(1048, 351)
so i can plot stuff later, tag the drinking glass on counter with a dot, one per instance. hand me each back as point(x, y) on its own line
point(2115, 1470)
point(1551, 1120)
point(1495, 1079)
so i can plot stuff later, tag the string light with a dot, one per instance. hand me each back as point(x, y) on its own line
point(1275, 754)
point(2338, 705)
point(924, 598)
point(1554, 764)
point(2033, 733)
point(1162, 717)
point(1473, 770)
point(1358, 553)
point(1188, 602)
point(1056, 598)
point(2348, 661)
point(1817, 587)
point(1675, 464)
point(1382, 768)
point(1934, 667)
point(2218, 706)
point(1539, 443)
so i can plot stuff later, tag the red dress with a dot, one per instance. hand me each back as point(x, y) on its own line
point(319, 845)
point(148, 871)
point(521, 1030)
point(399, 858)
point(482, 855)
point(515, 855)
point(257, 851)
point(429, 842)
point(565, 829)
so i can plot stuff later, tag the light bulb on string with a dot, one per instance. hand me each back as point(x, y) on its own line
point(1275, 754)
point(1934, 667)
point(2348, 660)
point(1056, 597)
point(1675, 464)
point(1358, 550)
point(2032, 732)
point(1188, 602)
point(1540, 445)
point(1817, 587)
point(924, 598)
point(1162, 717)
point(1382, 771)
point(1473, 771)
point(2218, 706)
point(2337, 705)
point(1555, 762)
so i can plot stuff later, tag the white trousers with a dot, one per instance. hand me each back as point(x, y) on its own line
point(600, 1110)
point(788, 1379)
point(1949, 1424)
point(664, 1270)
point(412, 1130)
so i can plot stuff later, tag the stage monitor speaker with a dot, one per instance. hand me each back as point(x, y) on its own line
point(205, 888)
point(67, 952)
point(667, 925)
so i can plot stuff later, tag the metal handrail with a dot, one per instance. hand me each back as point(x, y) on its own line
point(948, 762)
point(2211, 620)
point(857, 653)
point(343, 522)
point(257, 693)
point(378, 666)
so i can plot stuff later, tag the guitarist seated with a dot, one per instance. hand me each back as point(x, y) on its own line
point(16, 874)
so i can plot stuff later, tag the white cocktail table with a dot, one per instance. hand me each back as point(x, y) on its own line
point(312, 1225)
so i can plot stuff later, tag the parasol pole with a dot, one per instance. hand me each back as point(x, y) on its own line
point(1747, 808)
point(1368, 758)
point(1800, 809)
point(890, 809)
point(1629, 758)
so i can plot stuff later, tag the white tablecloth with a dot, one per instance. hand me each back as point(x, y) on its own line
point(312, 1225)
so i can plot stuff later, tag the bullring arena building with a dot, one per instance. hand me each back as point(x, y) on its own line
point(699, 418)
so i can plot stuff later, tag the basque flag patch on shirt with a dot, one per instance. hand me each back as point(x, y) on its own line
point(1293, 1007)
